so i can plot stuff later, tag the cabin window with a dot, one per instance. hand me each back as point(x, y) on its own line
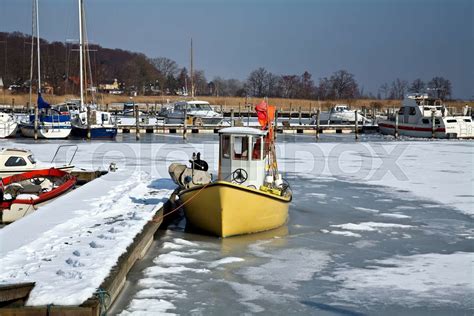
point(31, 159)
point(451, 121)
point(425, 121)
point(15, 162)
point(256, 148)
point(241, 148)
point(412, 111)
point(400, 112)
point(467, 120)
point(225, 146)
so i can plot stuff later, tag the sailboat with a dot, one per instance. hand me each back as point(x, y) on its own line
point(47, 122)
point(88, 121)
point(249, 194)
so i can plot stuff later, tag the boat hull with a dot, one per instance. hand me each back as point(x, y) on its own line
point(96, 132)
point(46, 131)
point(8, 129)
point(226, 209)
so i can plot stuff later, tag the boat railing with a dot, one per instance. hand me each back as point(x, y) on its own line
point(64, 146)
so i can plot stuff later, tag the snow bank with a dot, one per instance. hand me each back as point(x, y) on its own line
point(69, 245)
point(370, 226)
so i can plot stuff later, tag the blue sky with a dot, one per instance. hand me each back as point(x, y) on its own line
point(376, 40)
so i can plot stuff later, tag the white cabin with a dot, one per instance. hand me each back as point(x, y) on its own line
point(242, 156)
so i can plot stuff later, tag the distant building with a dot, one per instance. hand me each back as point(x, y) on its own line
point(112, 87)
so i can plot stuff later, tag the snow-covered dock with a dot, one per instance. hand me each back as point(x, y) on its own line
point(70, 247)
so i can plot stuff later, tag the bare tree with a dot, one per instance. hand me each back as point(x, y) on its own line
point(257, 83)
point(307, 86)
point(384, 90)
point(289, 86)
point(343, 85)
point(442, 87)
point(417, 86)
point(398, 89)
point(324, 90)
point(167, 68)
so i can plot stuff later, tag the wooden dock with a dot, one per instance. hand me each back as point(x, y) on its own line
point(13, 297)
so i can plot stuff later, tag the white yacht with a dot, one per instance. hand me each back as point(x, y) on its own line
point(8, 125)
point(415, 120)
point(200, 112)
point(340, 114)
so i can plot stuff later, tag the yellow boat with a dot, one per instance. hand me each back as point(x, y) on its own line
point(227, 209)
point(249, 195)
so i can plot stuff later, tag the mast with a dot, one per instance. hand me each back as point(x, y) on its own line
point(192, 70)
point(81, 44)
point(32, 51)
point(38, 46)
point(35, 127)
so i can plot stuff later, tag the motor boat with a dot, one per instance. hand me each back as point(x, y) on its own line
point(249, 194)
point(197, 112)
point(8, 125)
point(22, 194)
point(15, 161)
point(340, 114)
point(423, 116)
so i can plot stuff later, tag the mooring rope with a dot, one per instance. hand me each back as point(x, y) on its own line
point(103, 296)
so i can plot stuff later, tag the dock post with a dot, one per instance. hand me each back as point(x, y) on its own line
point(107, 107)
point(276, 125)
point(13, 105)
point(248, 115)
point(289, 118)
point(299, 115)
point(36, 122)
point(154, 109)
point(232, 117)
point(310, 109)
point(433, 126)
point(373, 116)
point(396, 124)
point(137, 122)
point(318, 112)
point(88, 122)
point(239, 111)
point(356, 131)
point(222, 110)
point(185, 122)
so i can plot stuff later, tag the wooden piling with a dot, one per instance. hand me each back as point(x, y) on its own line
point(137, 122)
point(88, 122)
point(185, 122)
point(299, 115)
point(276, 125)
point(356, 131)
point(396, 124)
point(248, 115)
point(318, 112)
point(232, 117)
point(433, 125)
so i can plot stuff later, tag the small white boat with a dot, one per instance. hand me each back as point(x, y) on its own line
point(8, 125)
point(102, 124)
point(340, 114)
point(14, 161)
point(51, 124)
point(200, 112)
point(415, 119)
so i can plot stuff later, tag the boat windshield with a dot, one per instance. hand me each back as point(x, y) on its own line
point(203, 107)
point(31, 158)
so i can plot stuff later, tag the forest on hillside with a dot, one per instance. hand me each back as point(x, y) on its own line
point(139, 74)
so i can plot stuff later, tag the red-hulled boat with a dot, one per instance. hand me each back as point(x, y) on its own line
point(23, 193)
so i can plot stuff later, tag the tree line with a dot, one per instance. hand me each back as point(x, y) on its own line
point(163, 76)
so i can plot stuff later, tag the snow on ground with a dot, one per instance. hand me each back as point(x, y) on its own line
point(69, 246)
point(440, 279)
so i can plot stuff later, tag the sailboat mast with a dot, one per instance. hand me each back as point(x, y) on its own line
point(192, 70)
point(32, 51)
point(38, 46)
point(81, 44)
